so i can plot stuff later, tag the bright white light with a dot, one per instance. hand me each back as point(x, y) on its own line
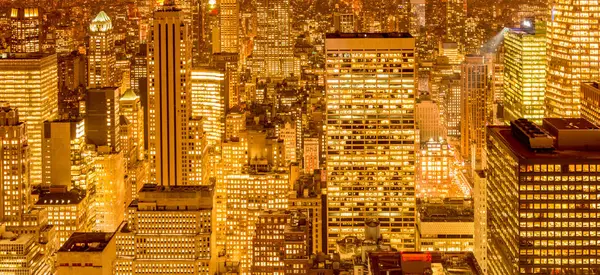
point(212, 2)
point(527, 24)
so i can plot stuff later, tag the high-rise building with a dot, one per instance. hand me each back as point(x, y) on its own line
point(451, 106)
point(445, 226)
point(168, 231)
point(311, 154)
point(525, 73)
point(101, 53)
point(29, 82)
point(344, 22)
point(307, 198)
point(427, 118)
point(22, 254)
point(208, 102)
point(26, 24)
point(542, 194)
point(113, 193)
point(15, 199)
point(139, 71)
point(65, 157)
point(480, 242)
point(102, 117)
point(131, 108)
point(475, 107)
point(229, 23)
point(360, 155)
point(273, 45)
point(281, 243)
point(590, 102)
point(572, 56)
point(229, 64)
point(72, 71)
point(248, 195)
point(456, 12)
point(434, 169)
point(69, 211)
point(85, 253)
point(288, 134)
point(235, 122)
point(417, 18)
point(169, 69)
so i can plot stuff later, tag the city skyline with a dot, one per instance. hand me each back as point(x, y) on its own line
point(351, 137)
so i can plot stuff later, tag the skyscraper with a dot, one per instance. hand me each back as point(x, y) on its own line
point(273, 45)
point(371, 135)
point(450, 97)
point(248, 195)
point(525, 73)
point(572, 54)
point(102, 117)
point(64, 138)
point(14, 157)
point(229, 23)
point(167, 231)
point(455, 26)
point(101, 53)
point(542, 197)
point(208, 102)
point(169, 68)
point(29, 82)
point(590, 102)
point(475, 106)
point(26, 26)
point(131, 108)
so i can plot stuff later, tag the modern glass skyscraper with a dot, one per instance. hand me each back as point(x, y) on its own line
point(370, 124)
point(542, 197)
point(572, 53)
point(29, 82)
point(525, 73)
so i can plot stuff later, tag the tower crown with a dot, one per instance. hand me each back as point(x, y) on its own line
point(101, 23)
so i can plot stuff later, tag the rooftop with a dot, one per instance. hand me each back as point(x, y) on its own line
point(446, 212)
point(592, 84)
point(71, 197)
point(369, 35)
point(175, 189)
point(129, 95)
point(523, 151)
point(11, 239)
point(13, 56)
point(87, 242)
point(571, 124)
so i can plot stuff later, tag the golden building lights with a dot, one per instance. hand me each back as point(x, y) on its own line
point(572, 54)
point(525, 73)
point(207, 102)
point(29, 82)
point(101, 52)
point(370, 135)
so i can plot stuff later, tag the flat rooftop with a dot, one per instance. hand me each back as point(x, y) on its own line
point(522, 151)
point(571, 124)
point(70, 197)
point(11, 239)
point(11, 56)
point(175, 189)
point(446, 212)
point(87, 242)
point(593, 84)
point(369, 35)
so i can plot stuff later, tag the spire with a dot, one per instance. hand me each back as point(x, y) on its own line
point(101, 23)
